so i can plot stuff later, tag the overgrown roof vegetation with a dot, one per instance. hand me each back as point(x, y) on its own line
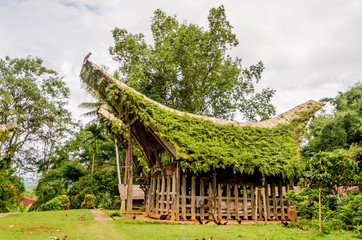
point(203, 144)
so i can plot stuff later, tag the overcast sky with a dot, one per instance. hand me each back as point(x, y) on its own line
point(311, 49)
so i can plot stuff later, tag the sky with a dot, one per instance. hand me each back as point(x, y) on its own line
point(311, 49)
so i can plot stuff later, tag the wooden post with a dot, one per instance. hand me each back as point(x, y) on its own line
point(280, 188)
point(288, 204)
point(130, 175)
point(178, 183)
point(320, 210)
point(173, 202)
point(256, 205)
point(252, 196)
point(202, 193)
point(183, 201)
point(215, 193)
point(228, 208)
point(193, 200)
point(236, 194)
point(168, 193)
point(162, 208)
point(245, 202)
point(158, 193)
point(265, 205)
point(274, 196)
point(150, 195)
point(219, 191)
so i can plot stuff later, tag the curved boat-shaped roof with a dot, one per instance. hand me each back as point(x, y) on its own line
point(202, 143)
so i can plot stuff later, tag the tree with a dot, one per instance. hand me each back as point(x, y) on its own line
point(339, 130)
point(34, 98)
point(188, 68)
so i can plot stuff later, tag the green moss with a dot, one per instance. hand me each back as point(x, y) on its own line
point(203, 145)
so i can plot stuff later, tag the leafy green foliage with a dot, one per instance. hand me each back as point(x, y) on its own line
point(331, 170)
point(22, 209)
point(7, 193)
point(188, 68)
point(53, 204)
point(340, 130)
point(34, 98)
point(102, 182)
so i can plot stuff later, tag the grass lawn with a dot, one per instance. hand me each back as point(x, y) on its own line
point(79, 224)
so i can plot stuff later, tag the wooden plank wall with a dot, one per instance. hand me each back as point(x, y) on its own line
point(175, 195)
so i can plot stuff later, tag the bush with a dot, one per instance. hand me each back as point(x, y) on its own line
point(53, 204)
point(89, 201)
point(7, 193)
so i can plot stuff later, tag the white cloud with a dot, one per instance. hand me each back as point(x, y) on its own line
point(311, 49)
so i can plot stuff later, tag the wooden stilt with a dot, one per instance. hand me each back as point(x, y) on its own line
point(281, 198)
point(214, 188)
point(219, 200)
point(274, 196)
point(202, 193)
point(158, 189)
point(236, 194)
point(168, 193)
point(173, 201)
point(256, 205)
point(253, 208)
point(228, 203)
point(265, 204)
point(162, 195)
point(245, 203)
point(178, 183)
point(183, 201)
point(193, 195)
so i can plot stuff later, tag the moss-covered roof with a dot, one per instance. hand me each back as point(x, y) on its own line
point(202, 143)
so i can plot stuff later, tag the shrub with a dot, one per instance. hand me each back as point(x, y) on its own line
point(64, 199)
point(89, 201)
point(53, 204)
point(7, 193)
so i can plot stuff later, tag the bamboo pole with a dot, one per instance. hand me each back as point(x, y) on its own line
point(118, 172)
point(130, 177)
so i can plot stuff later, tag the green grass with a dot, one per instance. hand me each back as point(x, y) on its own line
point(79, 224)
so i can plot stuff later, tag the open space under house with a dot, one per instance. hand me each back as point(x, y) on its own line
point(201, 166)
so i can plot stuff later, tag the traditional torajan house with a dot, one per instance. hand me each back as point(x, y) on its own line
point(201, 166)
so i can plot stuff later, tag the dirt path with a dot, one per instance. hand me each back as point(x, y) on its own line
point(6, 214)
point(100, 216)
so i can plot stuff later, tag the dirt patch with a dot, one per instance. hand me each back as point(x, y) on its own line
point(81, 218)
point(78, 225)
point(37, 230)
point(10, 226)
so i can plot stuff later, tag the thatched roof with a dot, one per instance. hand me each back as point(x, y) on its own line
point(201, 143)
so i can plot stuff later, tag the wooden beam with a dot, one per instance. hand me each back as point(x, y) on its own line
point(193, 194)
point(274, 196)
point(158, 188)
point(183, 200)
point(228, 203)
point(281, 199)
point(168, 193)
point(202, 194)
point(219, 191)
point(162, 208)
point(236, 194)
point(245, 203)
